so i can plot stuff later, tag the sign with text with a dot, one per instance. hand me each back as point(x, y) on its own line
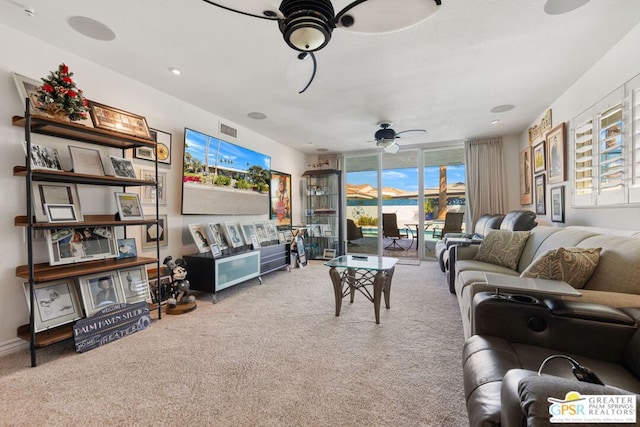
point(109, 324)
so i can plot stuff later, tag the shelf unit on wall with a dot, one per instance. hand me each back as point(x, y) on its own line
point(323, 213)
point(36, 273)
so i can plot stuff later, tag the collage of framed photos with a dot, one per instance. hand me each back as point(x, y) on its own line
point(216, 238)
point(66, 300)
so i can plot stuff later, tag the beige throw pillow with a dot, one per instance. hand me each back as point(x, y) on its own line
point(502, 248)
point(573, 265)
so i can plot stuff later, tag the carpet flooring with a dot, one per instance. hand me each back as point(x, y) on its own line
point(264, 355)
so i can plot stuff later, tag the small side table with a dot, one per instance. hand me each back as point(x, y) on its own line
point(360, 272)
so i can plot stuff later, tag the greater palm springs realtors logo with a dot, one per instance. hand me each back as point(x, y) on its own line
point(576, 408)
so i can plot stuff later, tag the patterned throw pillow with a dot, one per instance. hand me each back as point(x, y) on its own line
point(573, 265)
point(502, 248)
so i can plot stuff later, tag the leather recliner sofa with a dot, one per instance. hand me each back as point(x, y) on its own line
point(500, 364)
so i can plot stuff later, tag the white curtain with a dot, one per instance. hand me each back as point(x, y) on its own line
point(486, 178)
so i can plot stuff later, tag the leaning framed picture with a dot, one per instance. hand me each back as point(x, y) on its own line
point(272, 230)
point(122, 167)
point(556, 154)
point(540, 190)
point(61, 212)
point(148, 193)
point(261, 231)
point(218, 235)
point(233, 234)
point(28, 88)
point(280, 189)
point(539, 160)
point(43, 157)
point(86, 161)
point(129, 207)
point(199, 234)
point(248, 229)
point(135, 284)
point(69, 245)
point(329, 254)
point(127, 248)
point(526, 194)
point(56, 303)
point(557, 203)
point(54, 193)
point(153, 234)
point(100, 290)
point(113, 119)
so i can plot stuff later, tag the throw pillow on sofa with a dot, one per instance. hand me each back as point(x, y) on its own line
point(573, 265)
point(502, 248)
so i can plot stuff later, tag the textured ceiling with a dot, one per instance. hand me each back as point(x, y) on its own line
point(443, 75)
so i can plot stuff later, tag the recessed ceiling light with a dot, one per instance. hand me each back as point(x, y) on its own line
point(503, 108)
point(558, 7)
point(176, 71)
point(257, 115)
point(91, 28)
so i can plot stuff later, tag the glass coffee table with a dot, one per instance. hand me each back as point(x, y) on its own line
point(358, 272)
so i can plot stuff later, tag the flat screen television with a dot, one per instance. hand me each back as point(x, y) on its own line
point(221, 178)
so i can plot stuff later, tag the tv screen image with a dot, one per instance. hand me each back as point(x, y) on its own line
point(221, 178)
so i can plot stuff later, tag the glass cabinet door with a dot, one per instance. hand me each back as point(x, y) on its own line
point(322, 211)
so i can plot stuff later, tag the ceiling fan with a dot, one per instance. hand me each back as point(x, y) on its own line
point(306, 25)
point(385, 137)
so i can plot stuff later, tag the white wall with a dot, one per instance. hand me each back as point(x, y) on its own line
point(615, 68)
point(32, 58)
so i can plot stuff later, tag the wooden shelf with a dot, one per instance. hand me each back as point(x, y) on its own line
point(89, 221)
point(44, 272)
point(78, 132)
point(48, 337)
point(78, 178)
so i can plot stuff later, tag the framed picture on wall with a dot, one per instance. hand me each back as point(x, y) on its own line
point(556, 154)
point(281, 198)
point(148, 193)
point(162, 151)
point(526, 194)
point(557, 203)
point(539, 160)
point(540, 195)
point(152, 234)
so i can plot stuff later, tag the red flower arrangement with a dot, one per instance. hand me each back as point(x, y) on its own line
point(59, 95)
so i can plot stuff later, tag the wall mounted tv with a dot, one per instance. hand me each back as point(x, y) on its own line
point(221, 178)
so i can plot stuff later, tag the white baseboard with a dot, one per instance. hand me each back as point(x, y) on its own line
point(13, 346)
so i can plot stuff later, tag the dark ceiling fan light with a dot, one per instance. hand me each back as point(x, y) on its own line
point(308, 25)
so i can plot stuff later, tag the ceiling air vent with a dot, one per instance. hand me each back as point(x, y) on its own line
point(228, 130)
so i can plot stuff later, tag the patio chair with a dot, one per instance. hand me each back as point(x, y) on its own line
point(391, 231)
point(452, 224)
point(353, 231)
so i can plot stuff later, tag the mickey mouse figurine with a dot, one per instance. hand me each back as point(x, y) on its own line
point(179, 287)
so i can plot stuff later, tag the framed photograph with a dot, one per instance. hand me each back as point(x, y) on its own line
point(54, 193)
point(199, 234)
point(557, 203)
point(135, 284)
point(59, 212)
point(155, 288)
point(272, 230)
point(127, 248)
point(28, 88)
point(248, 229)
point(148, 193)
point(129, 206)
point(539, 160)
point(281, 237)
point(234, 238)
point(152, 233)
point(56, 303)
point(261, 231)
point(162, 151)
point(540, 195)
point(280, 198)
point(526, 194)
point(69, 245)
point(42, 157)
point(218, 236)
point(86, 161)
point(255, 243)
point(113, 119)
point(329, 254)
point(556, 154)
point(100, 290)
point(122, 167)
point(215, 250)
